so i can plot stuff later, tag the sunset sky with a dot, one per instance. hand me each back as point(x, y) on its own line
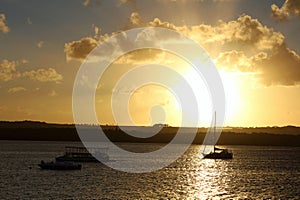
point(254, 44)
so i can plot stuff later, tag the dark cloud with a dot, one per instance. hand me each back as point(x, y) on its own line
point(281, 68)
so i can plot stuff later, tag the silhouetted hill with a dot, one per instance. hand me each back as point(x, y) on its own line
point(30, 130)
point(32, 124)
point(287, 130)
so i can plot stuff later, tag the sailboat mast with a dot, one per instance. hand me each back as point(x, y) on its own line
point(215, 130)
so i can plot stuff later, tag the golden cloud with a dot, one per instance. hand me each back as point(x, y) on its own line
point(3, 27)
point(91, 2)
point(282, 67)
point(243, 33)
point(238, 61)
point(244, 45)
point(290, 7)
point(8, 70)
point(44, 75)
point(131, 3)
point(78, 50)
point(234, 61)
point(86, 2)
point(16, 89)
point(40, 44)
point(53, 93)
point(136, 19)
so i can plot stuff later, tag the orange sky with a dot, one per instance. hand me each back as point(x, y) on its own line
point(253, 44)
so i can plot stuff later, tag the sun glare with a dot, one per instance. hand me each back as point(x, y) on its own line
point(153, 104)
point(231, 89)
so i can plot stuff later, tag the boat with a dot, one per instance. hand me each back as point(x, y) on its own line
point(218, 153)
point(82, 154)
point(59, 166)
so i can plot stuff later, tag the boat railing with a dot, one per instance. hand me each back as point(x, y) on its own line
point(84, 150)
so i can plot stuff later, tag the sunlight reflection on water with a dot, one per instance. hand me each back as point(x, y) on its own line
point(208, 177)
point(254, 173)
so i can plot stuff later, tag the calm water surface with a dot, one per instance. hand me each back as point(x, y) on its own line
point(254, 173)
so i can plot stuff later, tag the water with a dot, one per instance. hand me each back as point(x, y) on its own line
point(254, 173)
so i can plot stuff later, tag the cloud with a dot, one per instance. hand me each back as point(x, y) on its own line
point(234, 61)
point(281, 68)
point(131, 3)
point(86, 2)
point(3, 27)
point(244, 45)
point(44, 75)
point(91, 2)
point(16, 89)
point(240, 34)
point(24, 61)
point(136, 19)
point(52, 93)
point(78, 50)
point(29, 21)
point(96, 31)
point(245, 33)
point(8, 70)
point(40, 44)
point(143, 56)
point(290, 7)
point(127, 1)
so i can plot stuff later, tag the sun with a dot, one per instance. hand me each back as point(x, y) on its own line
point(231, 84)
point(232, 95)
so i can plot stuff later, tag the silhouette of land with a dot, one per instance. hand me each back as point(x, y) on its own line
point(30, 130)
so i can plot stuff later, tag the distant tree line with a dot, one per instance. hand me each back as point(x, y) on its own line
point(28, 130)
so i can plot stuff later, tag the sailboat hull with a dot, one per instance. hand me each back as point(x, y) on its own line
point(219, 154)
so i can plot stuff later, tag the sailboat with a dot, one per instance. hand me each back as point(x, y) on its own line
point(218, 153)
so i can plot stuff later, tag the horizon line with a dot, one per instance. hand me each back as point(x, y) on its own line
point(165, 125)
